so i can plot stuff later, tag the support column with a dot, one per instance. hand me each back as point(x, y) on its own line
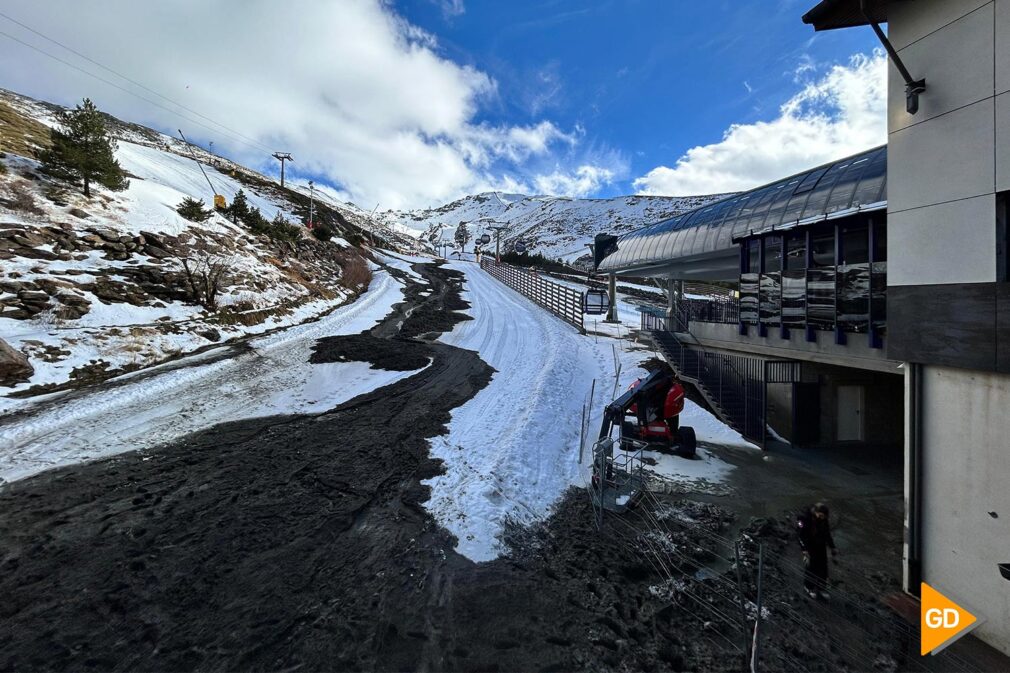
point(612, 292)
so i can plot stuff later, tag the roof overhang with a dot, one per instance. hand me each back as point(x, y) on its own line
point(832, 14)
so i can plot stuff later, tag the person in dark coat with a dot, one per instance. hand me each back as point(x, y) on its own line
point(815, 540)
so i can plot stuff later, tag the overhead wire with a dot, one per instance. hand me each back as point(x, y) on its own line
point(128, 79)
point(236, 136)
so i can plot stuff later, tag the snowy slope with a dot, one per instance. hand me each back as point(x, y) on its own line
point(275, 378)
point(514, 447)
point(556, 227)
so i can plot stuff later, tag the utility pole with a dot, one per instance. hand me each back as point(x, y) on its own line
point(282, 157)
point(312, 203)
point(497, 240)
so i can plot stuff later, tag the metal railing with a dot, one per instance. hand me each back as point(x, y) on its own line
point(734, 385)
point(562, 301)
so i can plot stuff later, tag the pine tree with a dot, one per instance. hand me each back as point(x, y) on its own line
point(82, 150)
point(462, 235)
point(239, 208)
point(194, 210)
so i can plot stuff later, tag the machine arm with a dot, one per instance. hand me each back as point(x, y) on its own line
point(615, 411)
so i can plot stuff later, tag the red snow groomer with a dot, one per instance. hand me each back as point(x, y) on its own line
point(650, 412)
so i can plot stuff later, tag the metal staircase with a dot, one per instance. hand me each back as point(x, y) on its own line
point(733, 385)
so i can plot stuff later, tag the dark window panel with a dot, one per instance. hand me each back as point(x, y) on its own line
point(749, 298)
point(810, 181)
point(855, 244)
point(821, 298)
point(770, 287)
point(796, 251)
point(822, 247)
point(753, 255)
point(854, 297)
point(794, 299)
point(780, 200)
point(773, 254)
point(878, 294)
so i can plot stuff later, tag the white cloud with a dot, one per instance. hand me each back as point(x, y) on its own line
point(581, 182)
point(451, 8)
point(357, 94)
point(839, 114)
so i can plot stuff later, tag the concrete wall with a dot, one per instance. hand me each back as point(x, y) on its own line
point(966, 493)
point(856, 353)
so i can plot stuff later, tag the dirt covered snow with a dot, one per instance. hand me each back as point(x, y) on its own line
point(302, 542)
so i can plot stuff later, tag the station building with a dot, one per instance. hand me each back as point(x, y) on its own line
point(873, 308)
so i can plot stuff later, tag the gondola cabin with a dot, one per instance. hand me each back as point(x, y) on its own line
point(595, 302)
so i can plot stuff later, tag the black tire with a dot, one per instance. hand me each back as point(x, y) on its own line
point(688, 442)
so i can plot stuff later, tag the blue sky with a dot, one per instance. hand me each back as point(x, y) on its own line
point(646, 79)
point(414, 103)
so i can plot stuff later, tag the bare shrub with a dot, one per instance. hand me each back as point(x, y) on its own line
point(23, 202)
point(203, 278)
point(356, 272)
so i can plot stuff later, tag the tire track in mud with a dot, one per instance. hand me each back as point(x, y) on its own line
point(302, 543)
point(259, 544)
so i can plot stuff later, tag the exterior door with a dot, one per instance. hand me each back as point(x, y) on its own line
point(850, 413)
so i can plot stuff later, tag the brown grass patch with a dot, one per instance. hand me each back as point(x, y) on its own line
point(20, 134)
point(356, 272)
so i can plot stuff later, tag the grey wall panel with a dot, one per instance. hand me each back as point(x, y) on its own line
point(947, 243)
point(957, 63)
point(911, 21)
point(942, 159)
point(1002, 46)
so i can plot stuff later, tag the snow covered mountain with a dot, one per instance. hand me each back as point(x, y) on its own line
point(554, 226)
point(92, 288)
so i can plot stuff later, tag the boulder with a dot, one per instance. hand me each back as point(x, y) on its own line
point(210, 334)
point(14, 365)
point(33, 297)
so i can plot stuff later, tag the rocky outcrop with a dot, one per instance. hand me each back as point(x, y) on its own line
point(14, 365)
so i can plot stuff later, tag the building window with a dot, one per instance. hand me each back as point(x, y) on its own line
point(796, 251)
point(773, 254)
point(753, 256)
point(879, 241)
point(855, 245)
point(822, 248)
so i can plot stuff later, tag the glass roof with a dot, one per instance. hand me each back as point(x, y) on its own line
point(843, 185)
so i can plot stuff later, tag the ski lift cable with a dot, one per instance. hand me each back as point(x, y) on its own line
point(128, 79)
point(125, 90)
